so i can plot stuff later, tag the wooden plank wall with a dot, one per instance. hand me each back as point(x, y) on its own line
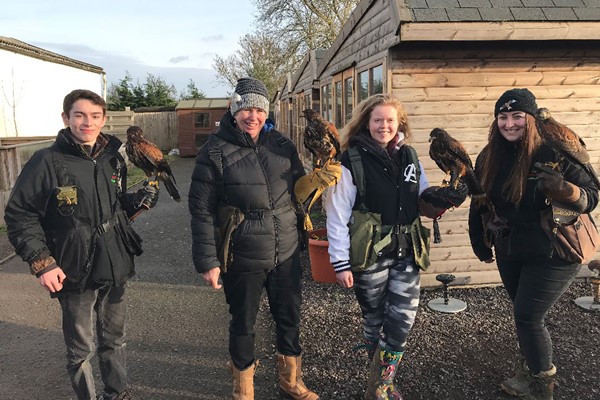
point(118, 121)
point(457, 90)
point(161, 128)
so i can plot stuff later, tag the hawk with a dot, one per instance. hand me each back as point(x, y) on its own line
point(452, 158)
point(148, 157)
point(321, 138)
point(565, 141)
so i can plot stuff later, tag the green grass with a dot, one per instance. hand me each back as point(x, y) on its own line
point(2, 229)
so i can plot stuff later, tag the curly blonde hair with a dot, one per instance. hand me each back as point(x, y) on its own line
point(359, 123)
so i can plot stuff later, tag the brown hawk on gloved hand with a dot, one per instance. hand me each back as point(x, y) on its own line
point(148, 157)
point(452, 158)
point(321, 138)
point(565, 141)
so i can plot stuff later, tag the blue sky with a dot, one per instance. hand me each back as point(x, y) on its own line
point(175, 40)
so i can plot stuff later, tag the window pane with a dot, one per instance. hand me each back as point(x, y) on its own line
point(338, 104)
point(201, 120)
point(329, 110)
point(348, 95)
point(377, 82)
point(363, 85)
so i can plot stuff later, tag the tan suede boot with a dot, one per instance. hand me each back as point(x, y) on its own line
point(291, 385)
point(542, 386)
point(243, 381)
point(518, 385)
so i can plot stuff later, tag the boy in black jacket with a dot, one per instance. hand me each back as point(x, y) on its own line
point(68, 218)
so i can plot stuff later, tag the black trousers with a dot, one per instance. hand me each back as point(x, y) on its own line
point(243, 292)
point(534, 286)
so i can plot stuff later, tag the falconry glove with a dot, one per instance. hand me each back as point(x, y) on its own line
point(309, 188)
point(553, 185)
point(445, 197)
point(147, 196)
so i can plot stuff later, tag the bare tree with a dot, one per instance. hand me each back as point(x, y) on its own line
point(12, 101)
point(260, 57)
point(286, 31)
point(304, 24)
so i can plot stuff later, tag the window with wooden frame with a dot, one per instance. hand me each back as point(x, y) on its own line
point(327, 102)
point(370, 82)
point(343, 84)
point(201, 120)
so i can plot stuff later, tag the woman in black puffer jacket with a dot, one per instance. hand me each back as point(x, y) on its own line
point(249, 167)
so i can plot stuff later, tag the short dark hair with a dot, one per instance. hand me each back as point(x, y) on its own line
point(79, 94)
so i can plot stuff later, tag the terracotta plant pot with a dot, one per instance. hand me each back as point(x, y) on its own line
point(320, 267)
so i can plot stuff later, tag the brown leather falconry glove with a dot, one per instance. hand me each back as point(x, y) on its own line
point(553, 185)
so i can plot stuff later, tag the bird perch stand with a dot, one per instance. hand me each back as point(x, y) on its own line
point(592, 303)
point(446, 304)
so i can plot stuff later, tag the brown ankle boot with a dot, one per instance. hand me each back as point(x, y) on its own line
point(291, 385)
point(542, 385)
point(518, 385)
point(243, 381)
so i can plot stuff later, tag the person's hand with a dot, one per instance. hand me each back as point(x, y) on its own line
point(212, 277)
point(53, 280)
point(147, 196)
point(553, 185)
point(444, 197)
point(345, 279)
point(310, 187)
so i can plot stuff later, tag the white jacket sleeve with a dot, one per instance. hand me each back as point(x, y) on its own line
point(338, 206)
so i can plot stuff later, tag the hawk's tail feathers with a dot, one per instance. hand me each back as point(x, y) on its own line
point(170, 185)
point(473, 184)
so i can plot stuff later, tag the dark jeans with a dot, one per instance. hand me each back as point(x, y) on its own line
point(243, 291)
point(534, 287)
point(78, 330)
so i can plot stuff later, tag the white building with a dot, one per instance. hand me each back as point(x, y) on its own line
point(33, 84)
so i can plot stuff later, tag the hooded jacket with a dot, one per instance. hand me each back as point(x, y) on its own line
point(258, 178)
point(71, 205)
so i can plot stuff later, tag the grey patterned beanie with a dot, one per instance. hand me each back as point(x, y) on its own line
point(516, 100)
point(249, 93)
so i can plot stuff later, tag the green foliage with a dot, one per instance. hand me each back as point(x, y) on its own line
point(192, 92)
point(2, 229)
point(155, 92)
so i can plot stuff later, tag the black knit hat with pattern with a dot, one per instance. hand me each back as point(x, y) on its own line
point(516, 100)
point(249, 93)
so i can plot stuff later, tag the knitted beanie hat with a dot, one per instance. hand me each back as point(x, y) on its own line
point(516, 100)
point(249, 93)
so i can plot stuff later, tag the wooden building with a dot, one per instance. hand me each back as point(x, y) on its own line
point(300, 91)
point(196, 120)
point(448, 61)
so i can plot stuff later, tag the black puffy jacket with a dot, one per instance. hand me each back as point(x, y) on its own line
point(40, 225)
point(258, 178)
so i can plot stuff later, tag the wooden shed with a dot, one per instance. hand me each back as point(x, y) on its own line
point(299, 92)
point(196, 120)
point(448, 61)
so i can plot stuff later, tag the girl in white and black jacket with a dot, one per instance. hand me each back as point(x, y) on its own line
point(397, 190)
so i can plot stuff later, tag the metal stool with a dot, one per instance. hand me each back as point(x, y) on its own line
point(446, 304)
point(592, 303)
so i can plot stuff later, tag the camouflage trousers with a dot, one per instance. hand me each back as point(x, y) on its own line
point(388, 295)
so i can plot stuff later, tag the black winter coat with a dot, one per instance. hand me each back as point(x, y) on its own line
point(41, 225)
point(524, 236)
point(258, 178)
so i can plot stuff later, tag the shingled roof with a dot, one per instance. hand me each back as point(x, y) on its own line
point(502, 10)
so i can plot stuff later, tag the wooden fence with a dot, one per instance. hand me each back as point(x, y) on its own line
point(161, 128)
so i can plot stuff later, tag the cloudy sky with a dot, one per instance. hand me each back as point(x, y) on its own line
point(174, 40)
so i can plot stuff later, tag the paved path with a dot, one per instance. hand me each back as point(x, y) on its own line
point(177, 332)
